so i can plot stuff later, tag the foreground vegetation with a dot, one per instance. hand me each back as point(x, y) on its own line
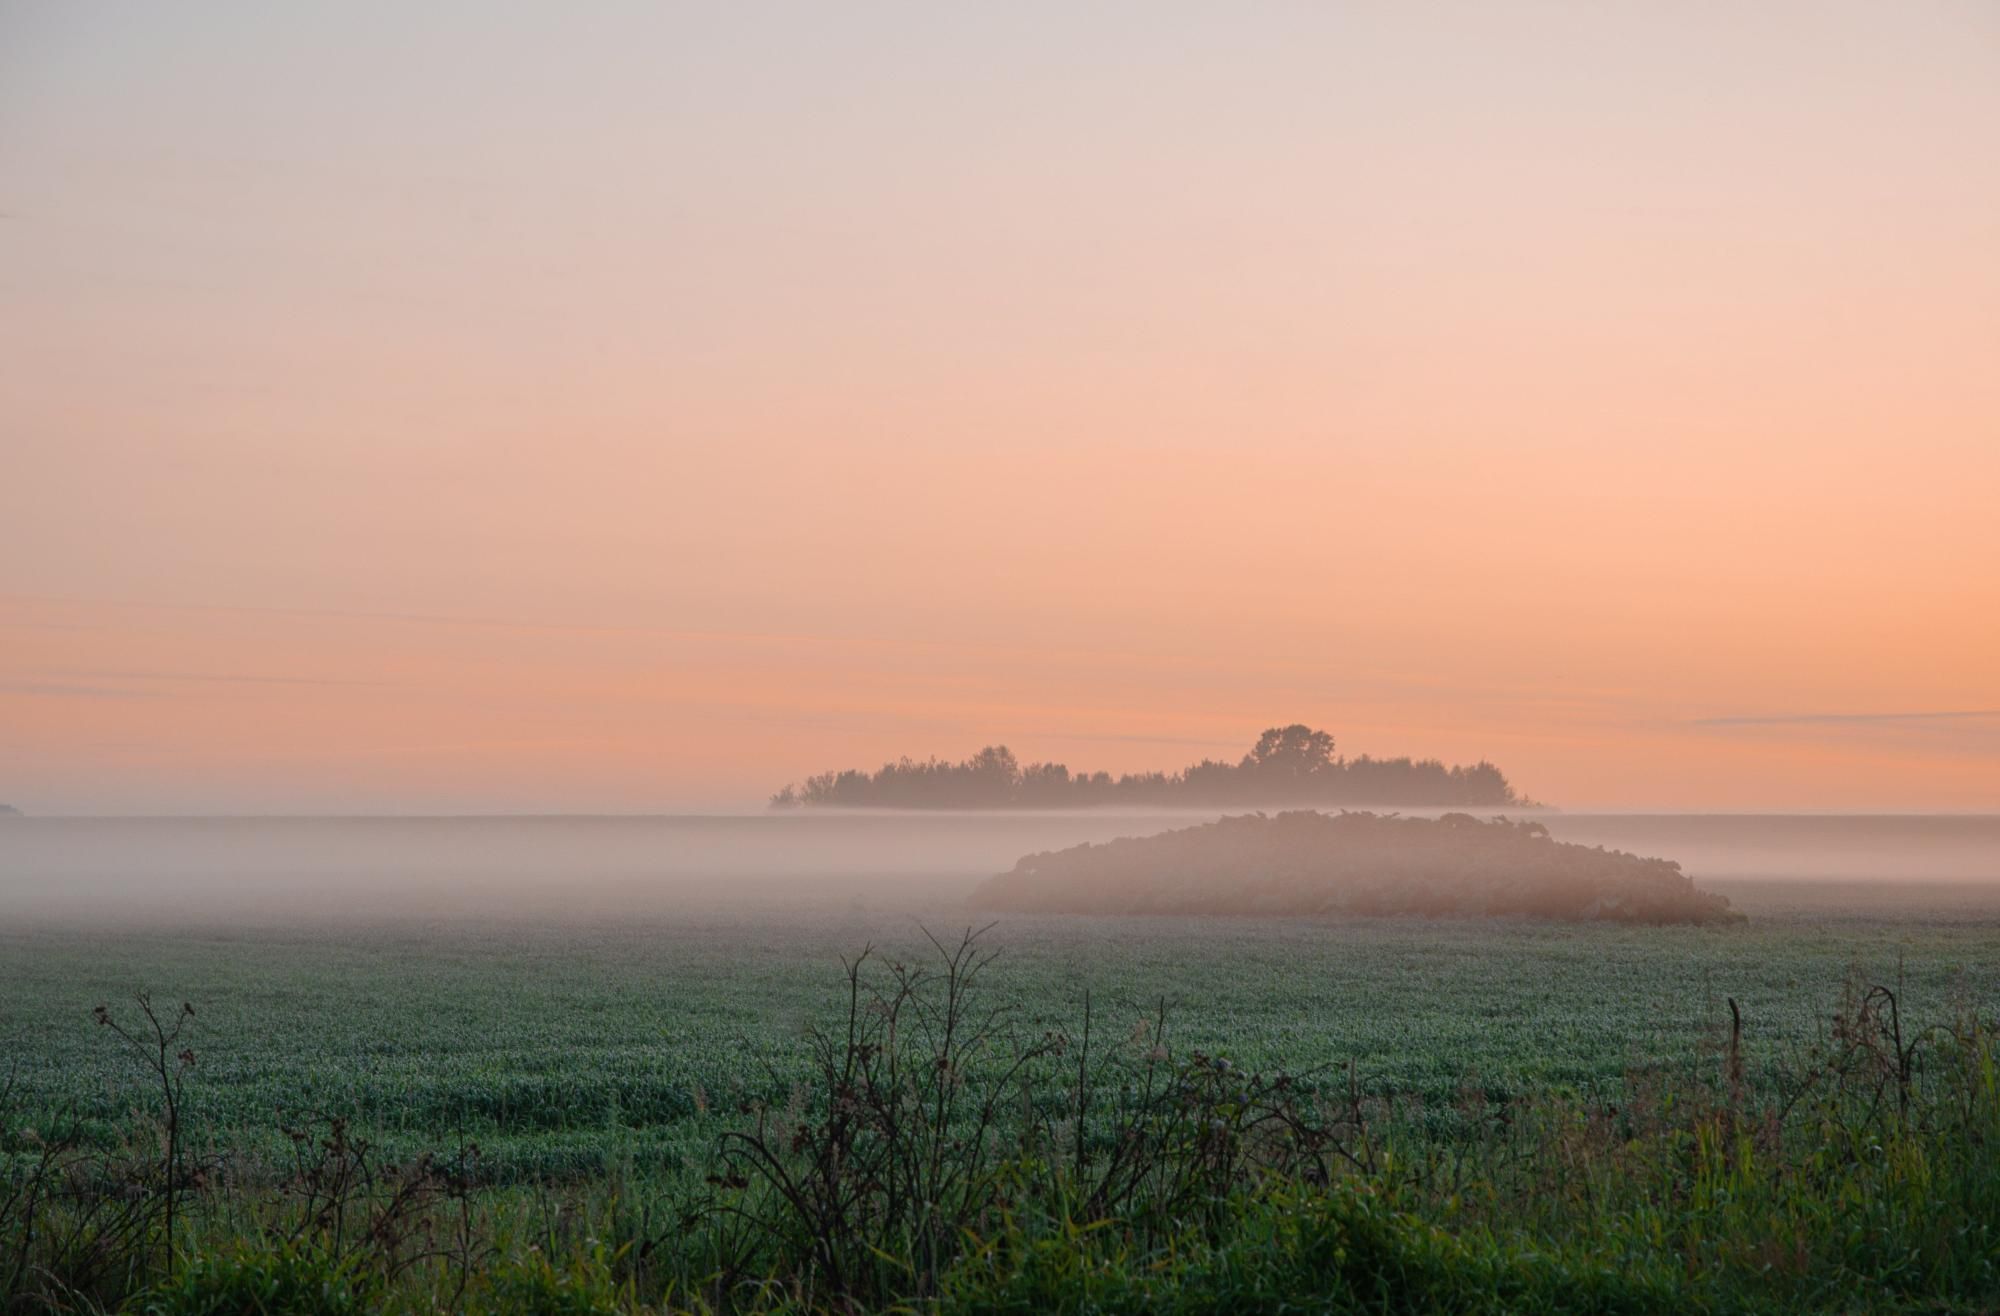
point(1310, 863)
point(1288, 765)
point(1462, 1118)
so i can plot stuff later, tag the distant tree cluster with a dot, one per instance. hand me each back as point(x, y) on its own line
point(1316, 864)
point(1287, 765)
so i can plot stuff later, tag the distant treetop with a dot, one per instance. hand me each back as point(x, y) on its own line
point(1287, 765)
point(9, 811)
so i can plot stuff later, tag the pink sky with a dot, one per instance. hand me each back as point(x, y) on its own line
point(644, 406)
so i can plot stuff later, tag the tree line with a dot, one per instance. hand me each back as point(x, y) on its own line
point(1302, 862)
point(1288, 765)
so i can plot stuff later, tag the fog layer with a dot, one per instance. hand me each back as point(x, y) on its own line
point(220, 870)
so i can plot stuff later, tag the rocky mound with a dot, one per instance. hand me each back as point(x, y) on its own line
point(1312, 863)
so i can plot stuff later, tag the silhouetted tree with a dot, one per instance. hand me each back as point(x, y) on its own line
point(1293, 751)
point(1288, 765)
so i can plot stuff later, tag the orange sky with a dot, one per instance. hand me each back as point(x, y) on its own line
point(644, 406)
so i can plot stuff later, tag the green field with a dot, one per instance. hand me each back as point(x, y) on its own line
point(569, 1048)
point(577, 1055)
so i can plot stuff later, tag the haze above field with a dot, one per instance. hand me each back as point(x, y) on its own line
point(885, 869)
point(458, 407)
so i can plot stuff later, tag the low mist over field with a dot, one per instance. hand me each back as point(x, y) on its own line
point(221, 870)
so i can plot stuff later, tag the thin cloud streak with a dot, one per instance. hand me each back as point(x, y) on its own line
point(217, 678)
point(1185, 661)
point(1839, 719)
point(70, 690)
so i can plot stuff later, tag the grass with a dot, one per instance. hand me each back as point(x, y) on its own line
point(595, 1068)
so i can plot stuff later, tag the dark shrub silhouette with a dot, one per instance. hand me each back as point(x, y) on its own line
point(1287, 765)
point(1311, 863)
